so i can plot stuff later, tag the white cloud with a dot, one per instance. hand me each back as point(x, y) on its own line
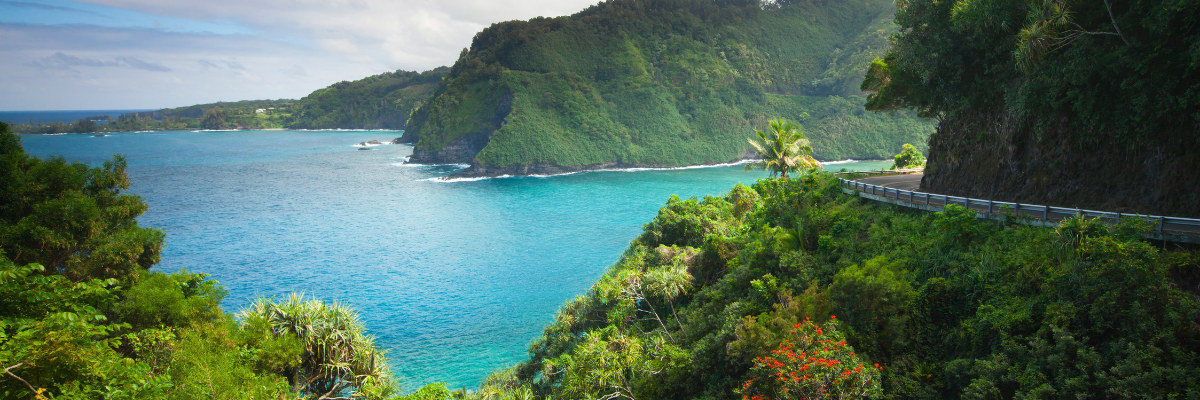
point(63, 61)
point(281, 48)
point(407, 34)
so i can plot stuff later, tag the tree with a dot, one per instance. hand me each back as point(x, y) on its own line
point(608, 364)
point(55, 340)
point(909, 157)
point(71, 218)
point(337, 355)
point(814, 363)
point(783, 149)
point(214, 119)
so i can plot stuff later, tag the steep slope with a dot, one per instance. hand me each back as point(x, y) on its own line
point(1068, 104)
point(381, 101)
point(661, 83)
point(714, 299)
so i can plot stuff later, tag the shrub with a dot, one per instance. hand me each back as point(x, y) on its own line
point(814, 363)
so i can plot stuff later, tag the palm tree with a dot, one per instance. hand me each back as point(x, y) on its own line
point(783, 149)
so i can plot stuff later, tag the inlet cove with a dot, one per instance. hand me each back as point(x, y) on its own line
point(627, 200)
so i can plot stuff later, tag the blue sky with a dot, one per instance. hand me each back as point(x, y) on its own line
point(126, 54)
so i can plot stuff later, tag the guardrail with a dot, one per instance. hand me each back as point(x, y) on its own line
point(1166, 228)
point(882, 172)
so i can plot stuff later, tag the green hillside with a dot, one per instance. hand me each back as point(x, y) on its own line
point(640, 82)
point(1077, 104)
point(376, 102)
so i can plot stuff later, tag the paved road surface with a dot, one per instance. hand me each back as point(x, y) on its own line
point(902, 182)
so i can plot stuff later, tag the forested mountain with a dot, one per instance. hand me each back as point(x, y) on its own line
point(198, 111)
point(1076, 104)
point(376, 102)
point(662, 83)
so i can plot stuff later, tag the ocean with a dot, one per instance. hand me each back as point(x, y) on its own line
point(67, 116)
point(455, 279)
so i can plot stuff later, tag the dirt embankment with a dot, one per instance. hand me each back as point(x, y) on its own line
point(1001, 157)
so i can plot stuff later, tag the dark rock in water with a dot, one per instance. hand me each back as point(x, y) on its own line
point(374, 142)
point(100, 135)
point(364, 148)
point(398, 141)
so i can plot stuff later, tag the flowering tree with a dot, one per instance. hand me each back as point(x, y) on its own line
point(815, 364)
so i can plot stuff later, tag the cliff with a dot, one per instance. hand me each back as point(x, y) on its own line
point(381, 101)
point(1089, 105)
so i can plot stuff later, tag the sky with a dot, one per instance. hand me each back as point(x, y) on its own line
point(150, 54)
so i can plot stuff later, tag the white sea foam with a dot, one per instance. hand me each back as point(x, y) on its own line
point(364, 144)
point(846, 161)
point(677, 168)
point(414, 165)
point(440, 179)
point(348, 130)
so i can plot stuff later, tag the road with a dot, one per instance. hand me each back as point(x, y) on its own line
point(1173, 229)
point(902, 182)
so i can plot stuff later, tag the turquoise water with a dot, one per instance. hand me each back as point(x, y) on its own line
point(68, 116)
point(454, 278)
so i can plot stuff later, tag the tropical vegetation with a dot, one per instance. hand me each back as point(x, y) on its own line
point(782, 148)
point(1038, 100)
point(383, 101)
point(787, 288)
point(790, 287)
point(909, 157)
point(641, 82)
point(83, 317)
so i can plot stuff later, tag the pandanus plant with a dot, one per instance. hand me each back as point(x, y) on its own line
point(337, 356)
point(783, 149)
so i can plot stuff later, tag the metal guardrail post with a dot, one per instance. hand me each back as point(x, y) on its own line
point(1046, 214)
point(989, 207)
point(1161, 222)
point(967, 201)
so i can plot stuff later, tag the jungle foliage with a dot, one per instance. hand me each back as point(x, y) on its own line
point(82, 317)
point(720, 297)
point(782, 148)
point(381, 101)
point(1098, 71)
point(667, 82)
point(909, 157)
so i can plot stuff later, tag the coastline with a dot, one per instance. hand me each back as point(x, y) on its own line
point(475, 172)
point(211, 130)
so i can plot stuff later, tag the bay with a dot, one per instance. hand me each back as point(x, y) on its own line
point(455, 279)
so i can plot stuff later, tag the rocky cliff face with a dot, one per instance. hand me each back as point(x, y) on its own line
point(1001, 157)
point(461, 150)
